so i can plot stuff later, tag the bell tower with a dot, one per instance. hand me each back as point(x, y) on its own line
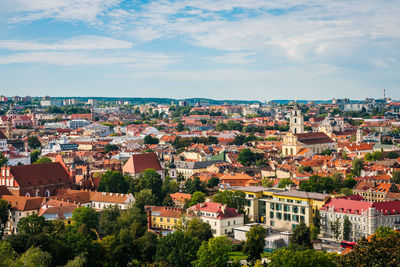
point(296, 121)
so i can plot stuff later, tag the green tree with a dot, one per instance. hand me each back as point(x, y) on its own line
point(284, 182)
point(110, 147)
point(107, 219)
point(267, 182)
point(85, 216)
point(7, 254)
point(335, 228)
point(147, 245)
point(255, 243)
point(234, 199)
point(200, 231)
point(214, 252)
point(384, 232)
point(114, 182)
point(193, 185)
point(33, 142)
point(326, 151)
point(150, 179)
point(176, 249)
point(148, 139)
point(198, 197)
point(377, 251)
point(301, 236)
point(3, 160)
point(78, 261)
point(34, 225)
point(346, 228)
point(298, 258)
point(396, 177)
point(303, 169)
point(34, 257)
point(143, 198)
point(214, 181)
point(247, 157)
point(4, 215)
point(315, 227)
point(393, 155)
point(357, 167)
point(35, 155)
point(180, 127)
point(43, 160)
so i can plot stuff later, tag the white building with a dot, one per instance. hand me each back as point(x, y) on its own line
point(221, 218)
point(365, 217)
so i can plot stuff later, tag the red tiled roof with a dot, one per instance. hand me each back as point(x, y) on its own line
point(40, 174)
point(357, 207)
point(313, 138)
point(137, 163)
point(24, 203)
point(213, 207)
point(170, 212)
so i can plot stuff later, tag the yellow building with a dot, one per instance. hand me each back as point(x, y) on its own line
point(281, 210)
point(160, 217)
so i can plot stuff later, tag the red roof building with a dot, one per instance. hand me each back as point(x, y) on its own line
point(221, 218)
point(365, 217)
point(36, 179)
point(137, 163)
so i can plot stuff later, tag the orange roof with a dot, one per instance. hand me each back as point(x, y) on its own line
point(180, 196)
point(161, 211)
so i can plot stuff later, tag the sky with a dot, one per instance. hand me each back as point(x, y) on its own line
point(226, 49)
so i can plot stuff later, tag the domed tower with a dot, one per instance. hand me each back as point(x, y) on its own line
point(296, 121)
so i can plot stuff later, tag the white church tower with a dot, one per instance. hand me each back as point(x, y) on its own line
point(296, 121)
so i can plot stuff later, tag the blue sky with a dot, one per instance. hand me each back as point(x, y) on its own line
point(227, 49)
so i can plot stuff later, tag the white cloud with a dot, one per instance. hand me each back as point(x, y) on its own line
point(69, 58)
point(232, 58)
point(86, 42)
point(70, 10)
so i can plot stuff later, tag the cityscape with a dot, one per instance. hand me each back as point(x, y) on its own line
point(208, 133)
point(194, 183)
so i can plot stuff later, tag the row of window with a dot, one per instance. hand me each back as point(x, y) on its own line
point(286, 208)
point(162, 219)
point(286, 217)
point(163, 226)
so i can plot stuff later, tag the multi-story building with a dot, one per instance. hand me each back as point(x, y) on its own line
point(165, 218)
point(285, 210)
point(377, 192)
point(281, 210)
point(365, 217)
point(221, 218)
point(20, 207)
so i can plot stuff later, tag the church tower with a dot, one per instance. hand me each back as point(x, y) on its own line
point(296, 121)
point(359, 137)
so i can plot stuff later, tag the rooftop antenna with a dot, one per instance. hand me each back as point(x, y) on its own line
point(384, 93)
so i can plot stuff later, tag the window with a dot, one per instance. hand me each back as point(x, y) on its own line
point(278, 206)
point(295, 209)
point(271, 214)
point(161, 219)
point(167, 220)
point(271, 206)
point(279, 216)
point(286, 208)
point(303, 210)
point(286, 217)
point(272, 223)
point(229, 223)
